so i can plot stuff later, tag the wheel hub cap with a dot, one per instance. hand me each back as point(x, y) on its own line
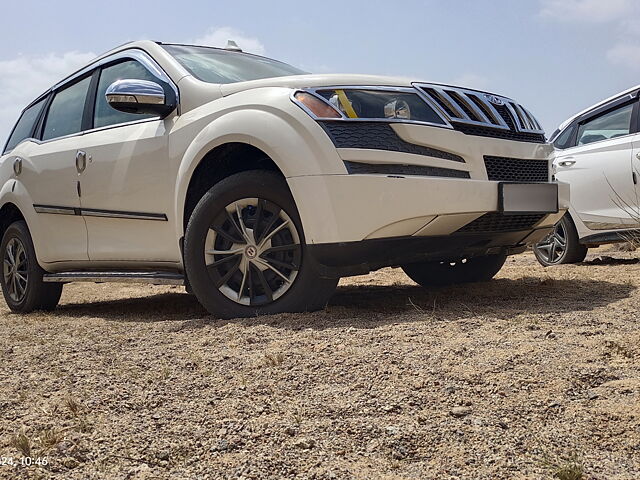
point(15, 270)
point(253, 252)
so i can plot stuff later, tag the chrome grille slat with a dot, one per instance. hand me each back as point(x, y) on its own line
point(471, 107)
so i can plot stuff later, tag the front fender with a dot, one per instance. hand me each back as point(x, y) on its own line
point(265, 119)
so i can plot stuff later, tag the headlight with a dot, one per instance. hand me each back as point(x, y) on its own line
point(366, 103)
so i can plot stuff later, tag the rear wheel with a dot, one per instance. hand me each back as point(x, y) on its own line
point(474, 269)
point(22, 285)
point(561, 246)
point(245, 253)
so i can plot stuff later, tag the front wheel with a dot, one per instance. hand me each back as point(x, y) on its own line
point(22, 285)
point(561, 246)
point(245, 253)
point(468, 270)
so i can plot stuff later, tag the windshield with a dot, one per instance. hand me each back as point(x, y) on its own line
point(214, 65)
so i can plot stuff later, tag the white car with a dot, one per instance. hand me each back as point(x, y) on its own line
point(257, 186)
point(597, 152)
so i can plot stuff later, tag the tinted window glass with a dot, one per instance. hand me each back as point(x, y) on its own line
point(25, 124)
point(65, 112)
point(564, 139)
point(610, 125)
point(215, 65)
point(104, 113)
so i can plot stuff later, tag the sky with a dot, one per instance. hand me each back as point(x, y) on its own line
point(556, 57)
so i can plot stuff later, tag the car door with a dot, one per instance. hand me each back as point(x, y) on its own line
point(599, 169)
point(50, 176)
point(127, 191)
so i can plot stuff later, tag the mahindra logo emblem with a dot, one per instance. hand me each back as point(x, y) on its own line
point(493, 99)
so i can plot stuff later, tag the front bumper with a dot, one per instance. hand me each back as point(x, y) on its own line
point(359, 223)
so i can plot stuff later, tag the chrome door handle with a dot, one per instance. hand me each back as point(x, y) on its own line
point(81, 161)
point(17, 166)
point(638, 155)
point(567, 163)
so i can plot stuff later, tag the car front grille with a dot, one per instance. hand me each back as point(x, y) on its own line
point(495, 222)
point(507, 169)
point(483, 114)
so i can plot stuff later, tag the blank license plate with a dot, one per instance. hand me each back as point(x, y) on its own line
point(528, 197)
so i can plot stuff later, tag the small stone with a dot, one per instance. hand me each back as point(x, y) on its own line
point(460, 411)
point(290, 431)
point(592, 395)
point(304, 443)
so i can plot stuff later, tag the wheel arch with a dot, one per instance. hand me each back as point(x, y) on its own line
point(219, 163)
point(9, 213)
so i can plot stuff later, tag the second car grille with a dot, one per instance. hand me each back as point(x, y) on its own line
point(507, 169)
point(496, 222)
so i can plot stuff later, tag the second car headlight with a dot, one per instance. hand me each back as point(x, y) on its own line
point(349, 103)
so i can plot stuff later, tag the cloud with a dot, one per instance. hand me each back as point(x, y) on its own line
point(218, 37)
point(472, 80)
point(588, 11)
point(625, 55)
point(25, 77)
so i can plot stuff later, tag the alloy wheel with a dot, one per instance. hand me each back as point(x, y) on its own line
point(252, 251)
point(554, 246)
point(15, 270)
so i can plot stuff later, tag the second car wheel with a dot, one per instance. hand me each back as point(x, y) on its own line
point(561, 246)
point(245, 253)
point(468, 270)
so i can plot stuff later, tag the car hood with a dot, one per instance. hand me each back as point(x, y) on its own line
point(302, 81)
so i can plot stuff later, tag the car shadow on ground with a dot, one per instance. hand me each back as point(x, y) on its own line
point(371, 305)
point(610, 261)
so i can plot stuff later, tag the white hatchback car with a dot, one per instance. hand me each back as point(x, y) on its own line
point(598, 153)
point(257, 186)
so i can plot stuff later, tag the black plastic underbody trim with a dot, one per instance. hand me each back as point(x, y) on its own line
point(100, 213)
point(377, 136)
point(610, 237)
point(354, 258)
point(400, 169)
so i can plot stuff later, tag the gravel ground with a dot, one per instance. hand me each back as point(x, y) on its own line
point(534, 371)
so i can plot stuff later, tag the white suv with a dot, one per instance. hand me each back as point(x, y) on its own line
point(257, 186)
point(598, 154)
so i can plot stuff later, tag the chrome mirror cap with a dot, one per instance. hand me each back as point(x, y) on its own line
point(138, 96)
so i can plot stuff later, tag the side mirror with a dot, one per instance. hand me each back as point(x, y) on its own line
point(140, 96)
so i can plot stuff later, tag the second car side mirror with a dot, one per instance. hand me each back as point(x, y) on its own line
point(140, 96)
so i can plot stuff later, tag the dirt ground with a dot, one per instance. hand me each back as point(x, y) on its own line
point(536, 371)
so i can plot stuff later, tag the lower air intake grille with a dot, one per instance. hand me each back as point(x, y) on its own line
point(378, 136)
point(495, 222)
point(507, 169)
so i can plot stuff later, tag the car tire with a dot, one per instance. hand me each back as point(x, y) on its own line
point(21, 279)
point(561, 246)
point(257, 262)
point(474, 269)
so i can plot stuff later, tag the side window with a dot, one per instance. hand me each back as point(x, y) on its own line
point(564, 139)
point(24, 127)
point(65, 113)
point(106, 115)
point(615, 123)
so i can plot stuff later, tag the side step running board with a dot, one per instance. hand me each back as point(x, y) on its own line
point(155, 278)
